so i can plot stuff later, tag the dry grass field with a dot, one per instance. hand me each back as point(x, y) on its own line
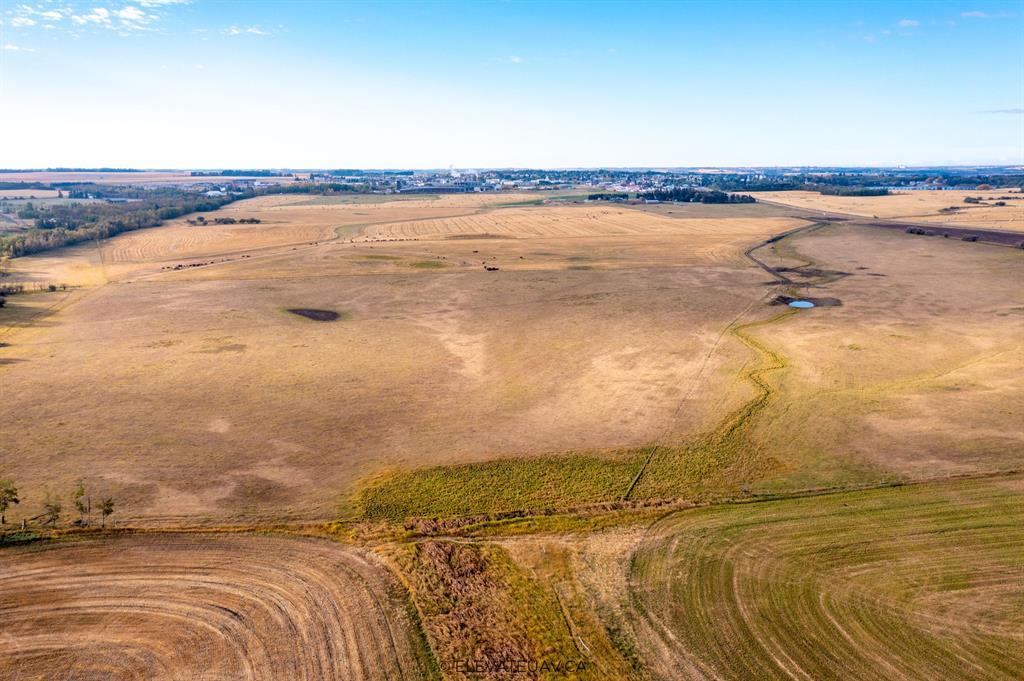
point(194, 393)
point(914, 373)
point(918, 372)
point(28, 194)
point(508, 402)
point(917, 206)
point(203, 607)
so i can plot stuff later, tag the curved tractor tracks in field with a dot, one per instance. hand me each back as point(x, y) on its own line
point(729, 441)
point(212, 607)
point(853, 586)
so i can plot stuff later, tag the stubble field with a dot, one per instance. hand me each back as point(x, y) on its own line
point(210, 607)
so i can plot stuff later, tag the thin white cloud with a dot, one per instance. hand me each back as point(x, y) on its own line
point(99, 15)
point(134, 19)
point(11, 47)
point(908, 23)
point(242, 30)
point(977, 14)
point(126, 17)
point(1011, 112)
point(516, 60)
point(132, 14)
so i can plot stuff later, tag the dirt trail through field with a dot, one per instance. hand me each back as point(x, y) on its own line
point(202, 607)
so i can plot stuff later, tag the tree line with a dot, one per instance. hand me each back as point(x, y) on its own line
point(686, 195)
point(59, 225)
point(861, 181)
point(838, 190)
point(53, 507)
point(71, 223)
point(240, 173)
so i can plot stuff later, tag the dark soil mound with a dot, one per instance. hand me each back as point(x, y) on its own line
point(315, 315)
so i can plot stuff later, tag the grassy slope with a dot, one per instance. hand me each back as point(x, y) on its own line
point(718, 463)
point(912, 582)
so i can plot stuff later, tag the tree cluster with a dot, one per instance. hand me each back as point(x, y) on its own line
point(70, 223)
point(687, 195)
point(840, 190)
point(53, 507)
point(239, 173)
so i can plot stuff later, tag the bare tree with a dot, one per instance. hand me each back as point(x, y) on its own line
point(8, 496)
point(83, 504)
point(51, 510)
point(106, 508)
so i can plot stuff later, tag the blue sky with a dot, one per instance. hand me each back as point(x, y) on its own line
point(208, 83)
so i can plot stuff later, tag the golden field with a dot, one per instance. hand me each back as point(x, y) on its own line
point(197, 395)
point(917, 206)
point(562, 432)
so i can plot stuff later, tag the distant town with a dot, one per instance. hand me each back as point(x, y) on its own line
point(448, 181)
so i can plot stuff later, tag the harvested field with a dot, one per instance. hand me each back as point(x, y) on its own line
point(207, 607)
point(579, 221)
point(288, 222)
point(6, 194)
point(916, 206)
point(905, 583)
point(689, 211)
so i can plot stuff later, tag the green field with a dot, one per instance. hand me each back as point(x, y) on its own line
point(913, 582)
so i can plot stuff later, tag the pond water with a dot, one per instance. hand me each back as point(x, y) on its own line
point(802, 304)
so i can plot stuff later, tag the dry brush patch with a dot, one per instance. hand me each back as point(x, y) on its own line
point(906, 583)
point(211, 607)
point(487, 618)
